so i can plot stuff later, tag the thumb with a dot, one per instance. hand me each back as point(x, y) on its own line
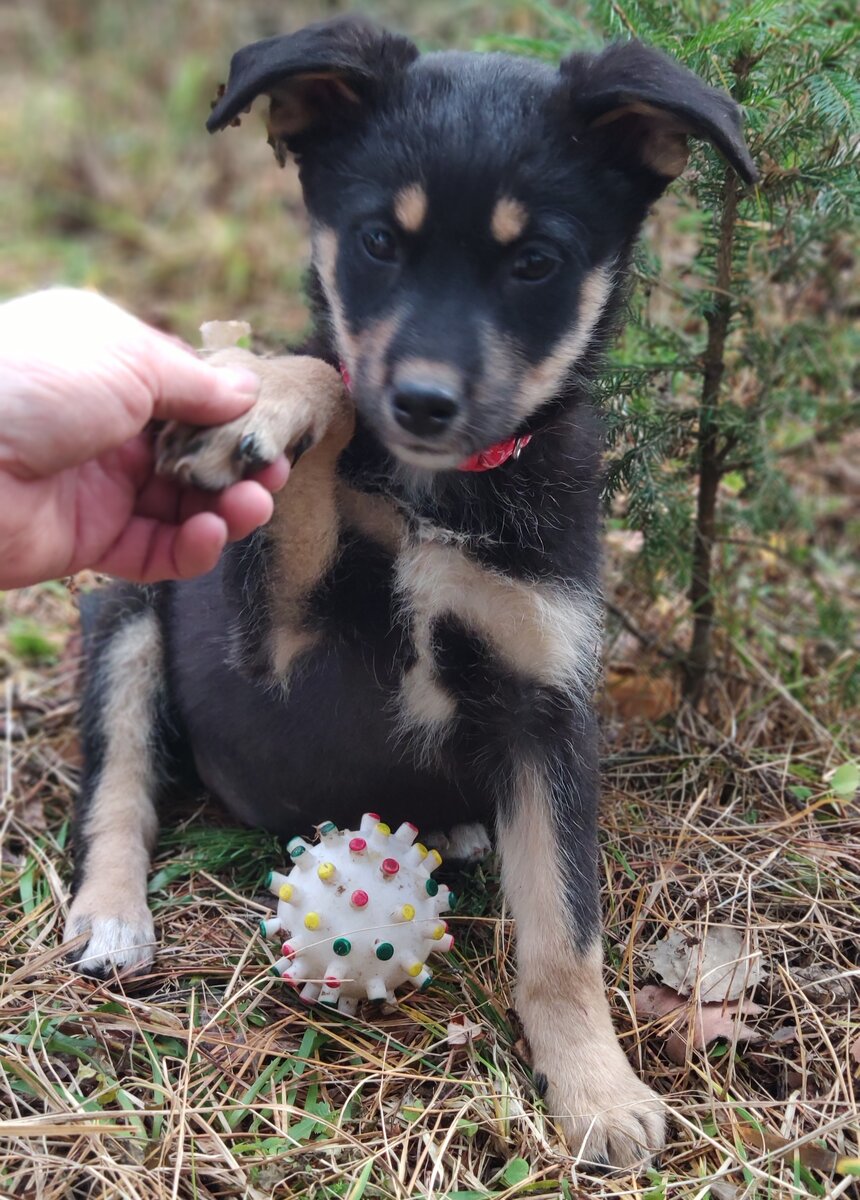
point(185, 388)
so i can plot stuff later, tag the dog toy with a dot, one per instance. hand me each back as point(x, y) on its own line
point(358, 913)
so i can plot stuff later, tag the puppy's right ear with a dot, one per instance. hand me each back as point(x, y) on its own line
point(314, 78)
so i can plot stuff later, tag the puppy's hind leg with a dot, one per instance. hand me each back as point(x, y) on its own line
point(115, 821)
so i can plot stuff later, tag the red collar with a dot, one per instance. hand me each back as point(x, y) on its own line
point(496, 456)
point(483, 460)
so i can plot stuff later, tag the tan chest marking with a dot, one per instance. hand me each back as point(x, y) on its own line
point(547, 634)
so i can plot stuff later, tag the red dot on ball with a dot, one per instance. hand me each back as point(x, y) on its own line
point(375, 816)
point(409, 825)
point(332, 982)
point(359, 898)
point(390, 866)
point(358, 844)
point(287, 950)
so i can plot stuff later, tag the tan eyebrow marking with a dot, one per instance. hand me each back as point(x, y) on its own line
point(508, 221)
point(410, 207)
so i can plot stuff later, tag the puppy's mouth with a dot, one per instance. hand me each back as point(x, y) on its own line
point(426, 457)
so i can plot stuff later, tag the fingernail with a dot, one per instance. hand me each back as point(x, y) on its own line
point(238, 379)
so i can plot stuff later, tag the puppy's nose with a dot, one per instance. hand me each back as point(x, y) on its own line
point(424, 409)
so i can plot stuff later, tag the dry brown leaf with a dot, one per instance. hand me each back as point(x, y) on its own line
point(695, 1025)
point(720, 1189)
point(810, 1154)
point(637, 696)
point(788, 1033)
point(461, 1030)
point(820, 984)
point(720, 966)
point(31, 813)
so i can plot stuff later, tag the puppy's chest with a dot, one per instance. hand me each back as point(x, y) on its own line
point(417, 596)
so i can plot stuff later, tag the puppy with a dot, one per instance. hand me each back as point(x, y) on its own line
point(418, 629)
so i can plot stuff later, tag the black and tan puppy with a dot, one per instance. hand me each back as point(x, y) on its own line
point(418, 630)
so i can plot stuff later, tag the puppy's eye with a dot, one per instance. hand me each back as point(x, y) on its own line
point(380, 244)
point(533, 264)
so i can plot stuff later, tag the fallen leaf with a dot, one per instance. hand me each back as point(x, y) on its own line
point(31, 813)
point(820, 984)
point(517, 1171)
point(810, 1154)
point(721, 1190)
point(787, 1033)
point(720, 966)
point(461, 1030)
point(637, 696)
point(688, 1024)
point(845, 781)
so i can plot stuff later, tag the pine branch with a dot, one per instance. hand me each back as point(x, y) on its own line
point(710, 467)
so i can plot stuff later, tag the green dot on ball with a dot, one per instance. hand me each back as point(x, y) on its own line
point(452, 900)
point(384, 951)
point(425, 985)
point(268, 881)
point(341, 946)
point(432, 887)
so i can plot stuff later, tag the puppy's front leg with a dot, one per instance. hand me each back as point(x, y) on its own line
point(547, 840)
point(301, 400)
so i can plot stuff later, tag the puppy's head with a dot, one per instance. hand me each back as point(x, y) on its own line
point(470, 213)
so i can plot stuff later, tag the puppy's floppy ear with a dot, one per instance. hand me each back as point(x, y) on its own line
point(314, 77)
point(640, 105)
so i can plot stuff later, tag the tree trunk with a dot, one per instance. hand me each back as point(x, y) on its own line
point(710, 458)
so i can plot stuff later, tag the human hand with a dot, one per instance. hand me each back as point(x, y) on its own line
point(80, 379)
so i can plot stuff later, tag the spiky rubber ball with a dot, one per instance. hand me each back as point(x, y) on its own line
point(358, 913)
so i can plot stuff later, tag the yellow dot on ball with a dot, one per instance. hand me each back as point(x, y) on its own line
point(407, 912)
point(325, 870)
point(383, 829)
point(422, 849)
point(438, 932)
point(437, 857)
point(285, 892)
point(312, 921)
point(415, 969)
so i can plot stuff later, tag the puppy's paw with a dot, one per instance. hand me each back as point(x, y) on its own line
point(215, 458)
point(463, 843)
point(609, 1117)
point(119, 940)
point(298, 396)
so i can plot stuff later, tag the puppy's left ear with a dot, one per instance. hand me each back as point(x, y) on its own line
point(316, 78)
point(639, 106)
